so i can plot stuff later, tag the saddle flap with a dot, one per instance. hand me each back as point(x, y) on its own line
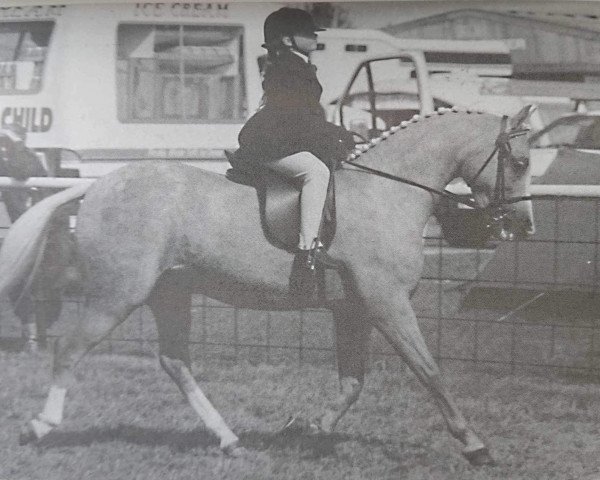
point(282, 210)
point(241, 177)
point(281, 215)
point(279, 202)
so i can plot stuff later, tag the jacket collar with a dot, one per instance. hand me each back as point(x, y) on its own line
point(301, 55)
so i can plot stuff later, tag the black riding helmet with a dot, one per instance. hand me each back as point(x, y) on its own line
point(288, 22)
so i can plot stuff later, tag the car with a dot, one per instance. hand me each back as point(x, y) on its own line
point(388, 107)
point(567, 151)
point(563, 253)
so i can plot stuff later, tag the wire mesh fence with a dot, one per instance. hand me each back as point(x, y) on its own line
point(527, 305)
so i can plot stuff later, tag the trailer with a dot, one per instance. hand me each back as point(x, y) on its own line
point(131, 82)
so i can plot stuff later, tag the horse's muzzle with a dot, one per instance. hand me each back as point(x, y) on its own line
point(508, 225)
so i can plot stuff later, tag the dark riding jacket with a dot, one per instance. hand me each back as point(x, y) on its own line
point(291, 119)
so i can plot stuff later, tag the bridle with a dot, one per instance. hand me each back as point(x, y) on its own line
point(499, 201)
point(504, 150)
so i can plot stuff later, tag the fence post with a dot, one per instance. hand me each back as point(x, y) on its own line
point(301, 340)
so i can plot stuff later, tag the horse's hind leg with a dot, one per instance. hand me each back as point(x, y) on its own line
point(29, 330)
point(171, 305)
point(352, 338)
point(395, 318)
point(48, 307)
point(97, 322)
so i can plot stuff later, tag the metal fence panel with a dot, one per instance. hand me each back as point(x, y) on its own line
point(533, 306)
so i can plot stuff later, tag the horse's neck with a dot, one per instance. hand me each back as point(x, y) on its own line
point(432, 150)
point(430, 153)
point(385, 204)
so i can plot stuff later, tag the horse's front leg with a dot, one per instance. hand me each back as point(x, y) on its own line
point(352, 339)
point(392, 314)
point(171, 303)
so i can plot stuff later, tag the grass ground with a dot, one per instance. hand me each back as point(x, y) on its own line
point(126, 420)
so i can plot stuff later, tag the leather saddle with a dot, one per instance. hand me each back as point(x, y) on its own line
point(279, 203)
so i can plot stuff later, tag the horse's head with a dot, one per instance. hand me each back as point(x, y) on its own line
point(8, 139)
point(16, 160)
point(504, 177)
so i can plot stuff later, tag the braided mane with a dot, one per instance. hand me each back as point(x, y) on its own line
point(358, 151)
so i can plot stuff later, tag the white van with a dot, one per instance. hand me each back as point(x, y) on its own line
point(158, 80)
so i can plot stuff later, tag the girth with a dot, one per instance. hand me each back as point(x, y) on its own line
point(279, 203)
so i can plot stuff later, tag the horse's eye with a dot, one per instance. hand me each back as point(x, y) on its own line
point(520, 163)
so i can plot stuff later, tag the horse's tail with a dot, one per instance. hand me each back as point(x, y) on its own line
point(23, 246)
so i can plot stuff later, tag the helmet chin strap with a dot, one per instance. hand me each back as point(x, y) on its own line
point(294, 47)
point(294, 44)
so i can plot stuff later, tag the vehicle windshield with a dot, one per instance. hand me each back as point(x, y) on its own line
point(23, 52)
point(383, 93)
point(391, 107)
point(580, 131)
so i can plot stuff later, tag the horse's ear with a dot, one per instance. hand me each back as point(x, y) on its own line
point(517, 120)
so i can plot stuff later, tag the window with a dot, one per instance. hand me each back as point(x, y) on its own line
point(23, 51)
point(355, 48)
point(589, 135)
point(479, 64)
point(383, 93)
point(464, 58)
point(574, 131)
point(180, 74)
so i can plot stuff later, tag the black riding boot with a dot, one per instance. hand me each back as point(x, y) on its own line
point(307, 266)
point(319, 257)
point(303, 279)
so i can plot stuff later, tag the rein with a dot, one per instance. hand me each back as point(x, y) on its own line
point(502, 147)
point(389, 176)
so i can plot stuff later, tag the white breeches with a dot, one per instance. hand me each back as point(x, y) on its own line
point(313, 176)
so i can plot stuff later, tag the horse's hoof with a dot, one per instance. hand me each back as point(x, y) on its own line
point(27, 435)
point(480, 457)
point(296, 425)
point(234, 450)
point(31, 347)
